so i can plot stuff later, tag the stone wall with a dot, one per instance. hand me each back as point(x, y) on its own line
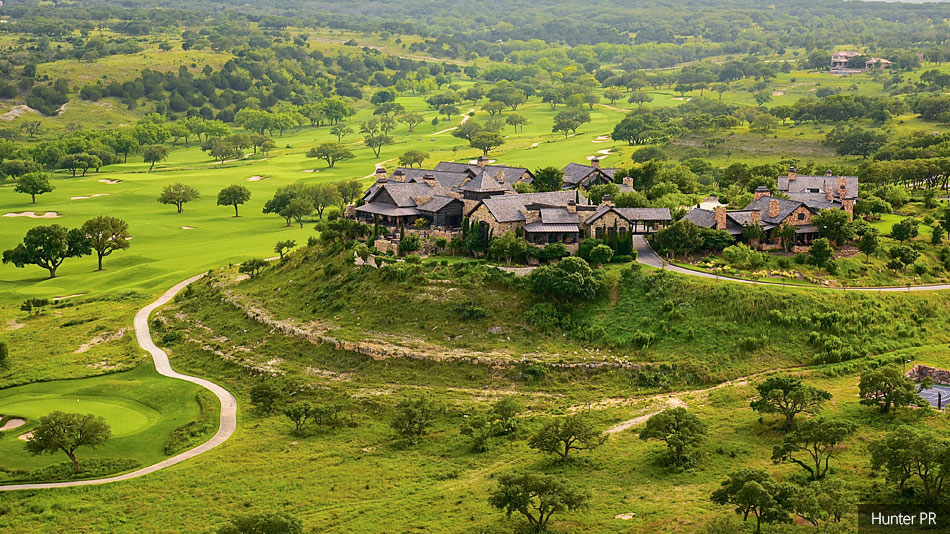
point(497, 229)
point(939, 376)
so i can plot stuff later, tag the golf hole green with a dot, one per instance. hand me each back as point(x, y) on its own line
point(125, 417)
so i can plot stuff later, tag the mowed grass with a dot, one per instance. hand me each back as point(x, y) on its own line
point(141, 407)
point(163, 252)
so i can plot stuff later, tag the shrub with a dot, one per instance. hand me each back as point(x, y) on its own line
point(414, 259)
point(470, 311)
point(642, 340)
point(543, 316)
point(533, 372)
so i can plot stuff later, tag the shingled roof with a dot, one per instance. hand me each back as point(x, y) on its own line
point(486, 183)
point(785, 208)
point(512, 174)
point(798, 188)
point(508, 208)
point(631, 214)
point(574, 173)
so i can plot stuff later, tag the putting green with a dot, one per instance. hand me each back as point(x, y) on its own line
point(141, 407)
point(125, 416)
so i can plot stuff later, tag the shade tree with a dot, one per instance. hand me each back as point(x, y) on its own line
point(106, 235)
point(233, 195)
point(537, 497)
point(48, 247)
point(562, 435)
point(66, 432)
point(812, 443)
point(788, 397)
point(34, 183)
point(177, 194)
point(681, 430)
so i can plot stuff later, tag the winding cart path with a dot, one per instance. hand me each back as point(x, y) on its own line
point(228, 419)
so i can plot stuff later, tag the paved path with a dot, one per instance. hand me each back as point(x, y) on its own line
point(647, 256)
point(228, 403)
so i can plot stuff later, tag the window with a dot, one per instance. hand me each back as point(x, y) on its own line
point(801, 216)
point(812, 190)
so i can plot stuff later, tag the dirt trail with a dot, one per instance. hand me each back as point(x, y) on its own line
point(670, 400)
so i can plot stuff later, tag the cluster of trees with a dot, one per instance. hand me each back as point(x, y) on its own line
point(49, 246)
point(296, 201)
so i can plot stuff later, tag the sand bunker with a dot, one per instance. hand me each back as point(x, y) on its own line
point(534, 145)
point(111, 182)
point(187, 227)
point(310, 170)
point(11, 424)
point(475, 161)
point(89, 196)
point(605, 151)
point(257, 178)
point(25, 437)
point(34, 215)
point(15, 325)
point(601, 139)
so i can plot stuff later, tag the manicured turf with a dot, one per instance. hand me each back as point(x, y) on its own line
point(141, 407)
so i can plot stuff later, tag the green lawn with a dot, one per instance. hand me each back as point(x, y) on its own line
point(141, 407)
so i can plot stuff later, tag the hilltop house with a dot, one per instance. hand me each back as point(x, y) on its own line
point(486, 195)
point(772, 213)
point(822, 192)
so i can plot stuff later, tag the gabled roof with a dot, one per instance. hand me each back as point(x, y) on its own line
point(785, 208)
point(485, 183)
point(445, 178)
point(575, 173)
point(707, 219)
point(512, 174)
point(802, 183)
point(437, 203)
point(507, 208)
point(632, 214)
point(405, 194)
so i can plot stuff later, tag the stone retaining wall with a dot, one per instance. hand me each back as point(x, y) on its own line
point(939, 376)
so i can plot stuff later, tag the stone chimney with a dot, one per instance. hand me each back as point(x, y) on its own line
point(628, 181)
point(595, 163)
point(399, 175)
point(848, 205)
point(829, 173)
point(830, 194)
point(792, 173)
point(755, 217)
point(842, 186)
point(571, 206)
point(761, 191)
point(773, 208)
point(720, 217)
point(381, 175)
point(428, 179)
point(481, 161)
point(500, 176)
point(607, 201)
